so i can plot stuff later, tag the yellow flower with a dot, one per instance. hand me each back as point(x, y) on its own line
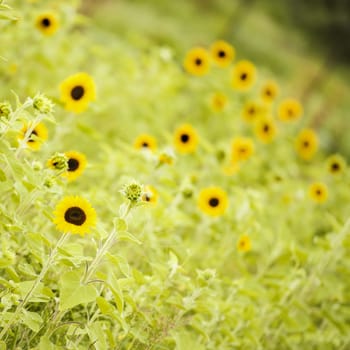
point(77, 91)
point(244, 244)
point(251, 110)
point(218, 102)
point(242, 149)
point(150, 194)
point(47, 23)
point(197, 61)
point(222, 52)
point(306, 144)
point(37, 136)
point(145, 141)
point(74, 215)
point(265, 129)
point(76, 165)
point(185, 139)
point(290, 110)
point(213, 201)
point(269, 91)
point(318, 192)
point(336, 164)
point(243, 75)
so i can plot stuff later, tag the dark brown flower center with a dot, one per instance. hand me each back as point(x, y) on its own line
point(198, 61)
point(184, 138)
point(45, 22)
point(145, 144)
point(306, 144)
point(75, 216)
point(244, 76)
point(335, 166)
point(222, 53)
point(213, 202)
point(73, 164)
point(77, 92)
point(266, 128)
point(30, 136)
point(268, 92)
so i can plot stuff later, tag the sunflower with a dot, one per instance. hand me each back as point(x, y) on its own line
point(336, 164)
point(185, 139)
point(265, 129)
point(77, 91)
point(269, 91)
point(197, 61)
point(290, 110)
point(242, 149)
point(243, 75)
point(244, 244)
point(318, 192)
point(150, 194)
point(76, 165)
point(145, 141)
point(213, 201)
point(47, 23)
point(74, 214)
point(222, 52)
point(37, 136)
point(306, 144)
point(218, 102)
point(251, 110)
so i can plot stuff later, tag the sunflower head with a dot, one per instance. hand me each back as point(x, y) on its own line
point(74, 215)
point(222, 53)
point(77, 91)
point(145, 142)
point(218, 102)
point(150, 195)
point(269, 91)
point(213, 201)
point(244, 244)
point(306, 144)
point(34, 136)
point(265, 129)
point(318, 192)
point(47, 23)
point(186, 139)
point(243, 75)
point(242, 148)
point(251, 111)
point(76, 165)
point(290, 110)
point(336, 164)
point(197, 61)
point(133, 192)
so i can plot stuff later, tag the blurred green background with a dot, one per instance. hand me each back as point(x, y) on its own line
point(303, 44)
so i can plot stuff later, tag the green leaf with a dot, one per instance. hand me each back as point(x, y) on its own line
point(32, 320)
point(2, 345)
point(73, 292)
point(126, 236)
point(2, 176)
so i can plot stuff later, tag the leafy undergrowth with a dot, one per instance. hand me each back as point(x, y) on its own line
point(149, 202)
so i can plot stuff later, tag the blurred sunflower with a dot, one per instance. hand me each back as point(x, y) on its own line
point(290, 110)
point(145, 141)
point(75, 215)
point(251, 110)
point(242, 148)
point(318, 192)
point(269, 91)
point(306, 144)
point(218, 102)
point(243, 75)
point(213, 201)
point(76, 165)
point(186, 139)
point(77, 91)
point(47, 23)
point(150, 194)
point(244, 244)
point(336, 164)
point(222, 53)
point(197, 61)
point(265, 129)
point(37, 136)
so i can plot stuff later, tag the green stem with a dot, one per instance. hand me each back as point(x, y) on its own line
point(36, 283)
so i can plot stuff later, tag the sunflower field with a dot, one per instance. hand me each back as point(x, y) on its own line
point(173, 176)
